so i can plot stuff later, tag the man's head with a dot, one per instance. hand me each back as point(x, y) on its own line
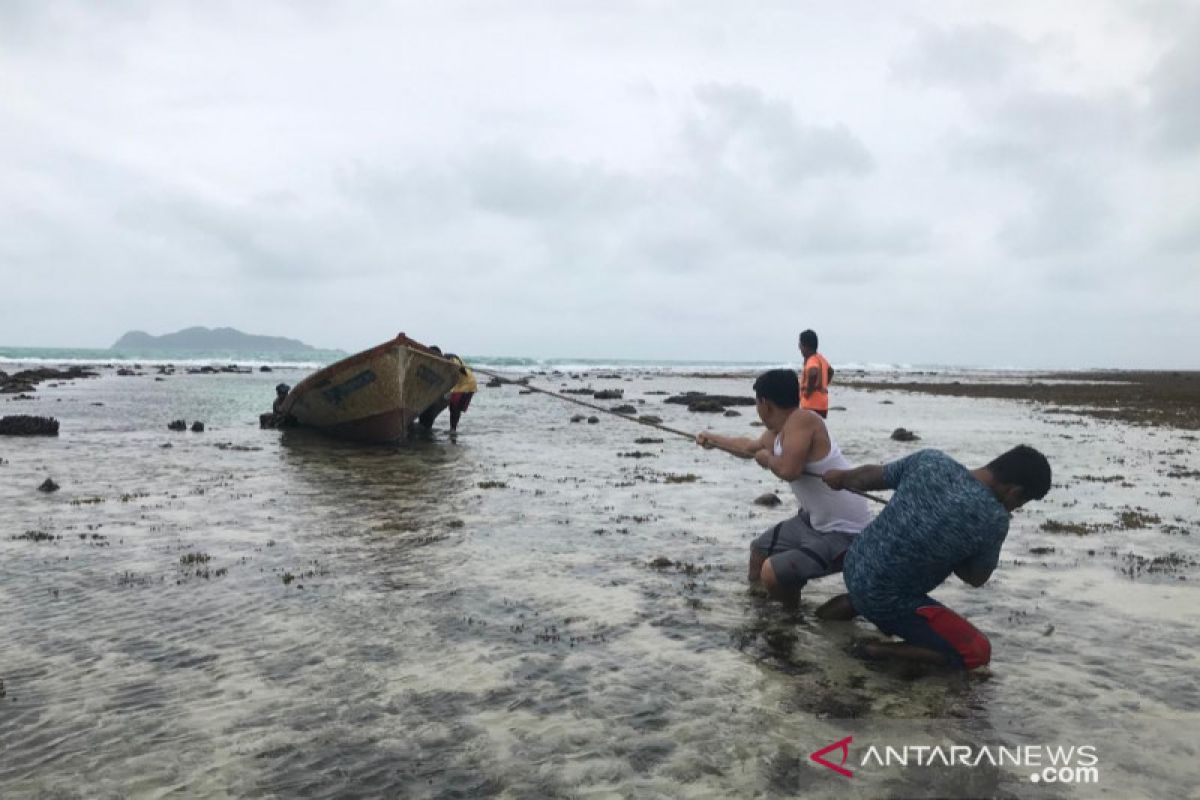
point(778, 394)
point(1020, 475)
point(808, 342)
point(282, 389)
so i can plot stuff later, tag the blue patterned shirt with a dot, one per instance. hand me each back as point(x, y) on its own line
point(939, 518)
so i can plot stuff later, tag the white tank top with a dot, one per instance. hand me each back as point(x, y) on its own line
point(828, 510)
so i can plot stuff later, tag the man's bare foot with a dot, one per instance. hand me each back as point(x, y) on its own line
point(839, 608)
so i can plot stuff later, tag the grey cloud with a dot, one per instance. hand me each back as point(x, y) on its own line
point(511, 182)
point(1031, 129)
point(966, 56)
point(1066, 213)
point(1181, 240)
point(743, 131)
point(1174, 87)
point(1065, 151)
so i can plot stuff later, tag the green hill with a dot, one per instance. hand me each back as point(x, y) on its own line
point(224, 339)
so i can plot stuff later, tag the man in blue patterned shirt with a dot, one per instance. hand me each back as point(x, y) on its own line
point(942, 519)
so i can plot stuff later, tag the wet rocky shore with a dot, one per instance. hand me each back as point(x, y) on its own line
point(1143, 398)
point(540, 608)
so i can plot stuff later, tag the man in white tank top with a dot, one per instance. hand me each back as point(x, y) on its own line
point(798, 448)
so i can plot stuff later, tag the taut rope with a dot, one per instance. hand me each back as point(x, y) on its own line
point(628, 418)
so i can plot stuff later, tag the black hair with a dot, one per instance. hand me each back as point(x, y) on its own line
point(282, 388)
point(780, 386)
point(808, 338)
point(1024, 467)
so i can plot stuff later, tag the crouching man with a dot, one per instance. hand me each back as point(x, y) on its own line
point(942, 519)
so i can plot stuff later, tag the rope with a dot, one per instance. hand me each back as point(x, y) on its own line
point(645, 422)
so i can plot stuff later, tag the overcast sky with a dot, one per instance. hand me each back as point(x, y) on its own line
point(975, 183)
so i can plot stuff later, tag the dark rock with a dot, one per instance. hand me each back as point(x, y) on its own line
point(732, 413)
point(650, 419)
point(705, 406)
point(662, 562)
point(687, 398)
point(904, 435)
point(197, 427)
point(578, 418)
point(125, 372)
point(525, 391)
point(48, 486)
point(837, 408)
point(25, 380)
point(21, 425)
point(177, 425)
point(579, 391)
point(625, 409)
point(886, 403)
point(495, 383)
point(609, 394)
point(265, 368)
point(770, 500)
point(24, 397)
point(593, 420)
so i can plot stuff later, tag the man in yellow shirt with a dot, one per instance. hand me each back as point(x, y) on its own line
point(463, 391)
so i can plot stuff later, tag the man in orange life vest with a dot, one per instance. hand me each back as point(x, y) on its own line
point(814, 376)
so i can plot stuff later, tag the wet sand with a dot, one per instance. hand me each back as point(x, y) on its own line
point(529, 611)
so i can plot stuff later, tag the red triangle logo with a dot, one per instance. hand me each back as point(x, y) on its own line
point(844, 747)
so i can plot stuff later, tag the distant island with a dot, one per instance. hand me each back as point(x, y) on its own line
point(198, 338)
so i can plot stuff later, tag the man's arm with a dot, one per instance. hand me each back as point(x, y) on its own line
point(739, 446)
point(978, 568)
point(973, 574)
point(872, 477)
point(813, 376)
point(867, 478)
point(789, 465)
point(831, 373)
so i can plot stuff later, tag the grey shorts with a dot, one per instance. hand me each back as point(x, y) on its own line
point(798, 552)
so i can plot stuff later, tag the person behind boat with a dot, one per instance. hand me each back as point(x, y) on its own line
point(276, 419)
point(427, 417)
point(463, 391)
point(942, 519)
point(797, 447)
point(815, 376)
point(281, 393)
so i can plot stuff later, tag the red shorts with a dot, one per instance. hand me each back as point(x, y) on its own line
point(460, 400)
point(933, 626)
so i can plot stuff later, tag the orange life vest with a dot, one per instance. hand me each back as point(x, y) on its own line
point(818, 399)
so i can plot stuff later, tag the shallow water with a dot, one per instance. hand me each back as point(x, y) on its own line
point(479, 617)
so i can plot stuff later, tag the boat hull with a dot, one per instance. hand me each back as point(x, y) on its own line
point(372, 396)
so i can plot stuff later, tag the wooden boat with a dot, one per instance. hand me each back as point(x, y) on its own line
point(372, 396)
